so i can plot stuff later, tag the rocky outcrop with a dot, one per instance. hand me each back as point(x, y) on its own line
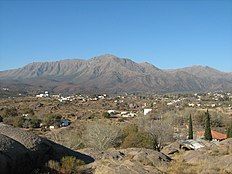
point(14, 156)
point(216, 158)
point(22, 151)
point(124, 161)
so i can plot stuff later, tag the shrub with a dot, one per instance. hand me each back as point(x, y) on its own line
point(67, 165)
point(199, 118)
point(217, 121)
point(161, 131)
point(18, 121)
point(106, 115)
point(51, 119)
point(27, 110)
point(101, 135)
point(54, 166)
point(8, 120)
point(32, 122)
point(10, 112)
point(181, 167)
point(139, 140)
point(130, 129)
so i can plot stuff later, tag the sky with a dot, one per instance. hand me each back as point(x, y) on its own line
point(169, 33)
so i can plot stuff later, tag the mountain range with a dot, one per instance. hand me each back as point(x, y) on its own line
point(110, 74)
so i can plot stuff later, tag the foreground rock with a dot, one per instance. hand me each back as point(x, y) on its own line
point(127, 161)
point(211, 159)
point(22, 151)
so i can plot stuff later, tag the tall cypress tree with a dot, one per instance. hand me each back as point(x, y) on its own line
point(190, 136)
point(207, 135)
point(229, 131)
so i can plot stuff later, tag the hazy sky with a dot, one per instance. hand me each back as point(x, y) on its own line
point(168, 34)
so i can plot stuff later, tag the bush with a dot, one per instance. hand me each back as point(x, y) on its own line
point(139, 140)
point(8, 120)
point(54, 166)
point(67, 165)
point(32, 122)
point(28, 111)
point(18, 121)
point(51, 119)
point(199, 119)
point(10, 112)
point(161, 131)
point(217, 121)
point(106, 115)
point(101, 135)
point(130, 129)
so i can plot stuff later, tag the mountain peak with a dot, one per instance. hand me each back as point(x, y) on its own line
point(110, 73)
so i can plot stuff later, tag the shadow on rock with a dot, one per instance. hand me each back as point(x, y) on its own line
point(22, 151)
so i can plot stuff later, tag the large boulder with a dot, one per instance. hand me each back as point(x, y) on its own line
point(22, 151)
point(171, 148)
point(14, 157)
point(131, 161)
point(211, 159)
point(38, 148)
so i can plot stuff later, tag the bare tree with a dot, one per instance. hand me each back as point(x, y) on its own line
point(160, 130)
point(101, 135)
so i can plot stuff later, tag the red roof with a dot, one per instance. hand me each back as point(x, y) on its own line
point(215, 135)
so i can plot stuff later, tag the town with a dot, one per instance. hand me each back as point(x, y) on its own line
point(53, 111)
point(170, 123)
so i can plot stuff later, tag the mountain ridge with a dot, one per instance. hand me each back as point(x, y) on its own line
point(109, 73)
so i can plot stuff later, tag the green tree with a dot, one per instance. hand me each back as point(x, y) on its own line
point(229, 131)
point(207, 135)
point(190, 136)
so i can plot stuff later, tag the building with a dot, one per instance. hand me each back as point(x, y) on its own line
point(215, 135)
point(146, 111)
point(64, 122)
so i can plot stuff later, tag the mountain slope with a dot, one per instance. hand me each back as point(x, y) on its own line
point(108, 73)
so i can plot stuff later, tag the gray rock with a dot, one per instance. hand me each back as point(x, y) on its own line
point(22, 151)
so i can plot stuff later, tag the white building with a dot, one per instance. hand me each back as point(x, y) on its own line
point(146, 111)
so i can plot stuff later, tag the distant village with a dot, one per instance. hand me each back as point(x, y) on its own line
point(128, 106)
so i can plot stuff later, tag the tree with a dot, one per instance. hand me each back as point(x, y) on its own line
point(190, 136)
point(101, 135)
point(229, 131)
point(161, 131)
point(207, 135)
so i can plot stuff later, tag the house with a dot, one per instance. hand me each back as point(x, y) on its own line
point(191, 104)
point(111, 111)
point(146, 111)
point(51, 127)
point(46, 94)
point(65, 122)
point(215, 135)
point(127, 115)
